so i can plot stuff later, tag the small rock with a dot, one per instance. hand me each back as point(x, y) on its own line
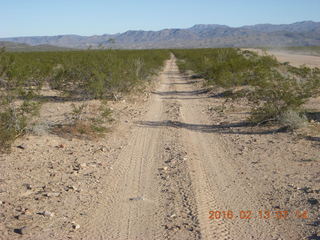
point(48, 214)
point(313, 201)
point(305, 189)
point(21, 231)
point(1, 202)
point(22, 146)
point(28, 212)
point(163, 169)
point(52, 194)
point(60, 146)
point(103, 149)
point(75, 226)
point(27, 186)
point(136, 199)
point(173, 216)
point(72, 188)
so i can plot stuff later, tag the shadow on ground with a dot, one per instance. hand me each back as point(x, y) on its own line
point(182, 93)
point(315, 116)
point(314, 139)
point(230, 128)
point(314, 237)
point(60, 99)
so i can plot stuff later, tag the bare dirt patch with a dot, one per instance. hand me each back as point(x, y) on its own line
point(296, 60)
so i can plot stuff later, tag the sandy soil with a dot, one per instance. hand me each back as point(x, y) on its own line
point(294, 59)
point(171, 159)
point(297, 59)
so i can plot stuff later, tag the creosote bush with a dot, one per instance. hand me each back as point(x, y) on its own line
point(273, 88)
point(14, 118)
point(83, 124)
point(91, 74)
point(17, 105)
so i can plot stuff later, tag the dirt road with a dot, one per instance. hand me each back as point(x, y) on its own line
point(182, 158)
point(174, 170)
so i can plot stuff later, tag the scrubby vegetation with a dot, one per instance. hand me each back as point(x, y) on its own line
point(273, 89)
point(89, 74)
point(81, 125)
point(84, 75)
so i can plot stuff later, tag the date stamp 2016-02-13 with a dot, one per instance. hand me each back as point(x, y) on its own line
point(261, 214)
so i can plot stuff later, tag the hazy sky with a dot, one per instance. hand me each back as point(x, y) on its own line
point(89, 17)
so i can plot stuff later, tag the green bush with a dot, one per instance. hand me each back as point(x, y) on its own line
point(225, 67)
point(93, 74)
point(274, 88)
point(14, 119)
point(18, 89)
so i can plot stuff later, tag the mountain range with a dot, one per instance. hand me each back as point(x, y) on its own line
point(306, 33)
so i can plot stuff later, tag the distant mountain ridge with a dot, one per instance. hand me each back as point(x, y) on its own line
point(306, 33)
point(22, 47)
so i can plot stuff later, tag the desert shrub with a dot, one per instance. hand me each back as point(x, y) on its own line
point(79, 129)
point(14, 119)
point(276, 93)
point(103, 74)
point(83, 124)
point(225, 67)
point(83, 74)
point(274, 89)
point(17, 104)
point(88, 74)
point(293, 120)
point(105, 111)
point(11, 126)
point(77, 111)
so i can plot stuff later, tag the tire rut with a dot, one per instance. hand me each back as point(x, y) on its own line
point(181, 220)
point(204, 191)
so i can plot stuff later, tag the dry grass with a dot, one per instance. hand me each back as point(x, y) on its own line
point(80, 129)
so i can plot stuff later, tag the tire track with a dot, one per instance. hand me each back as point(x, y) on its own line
point(204, 192)
point(181, 220)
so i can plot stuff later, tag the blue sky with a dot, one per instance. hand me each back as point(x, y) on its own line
point(90, 17)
